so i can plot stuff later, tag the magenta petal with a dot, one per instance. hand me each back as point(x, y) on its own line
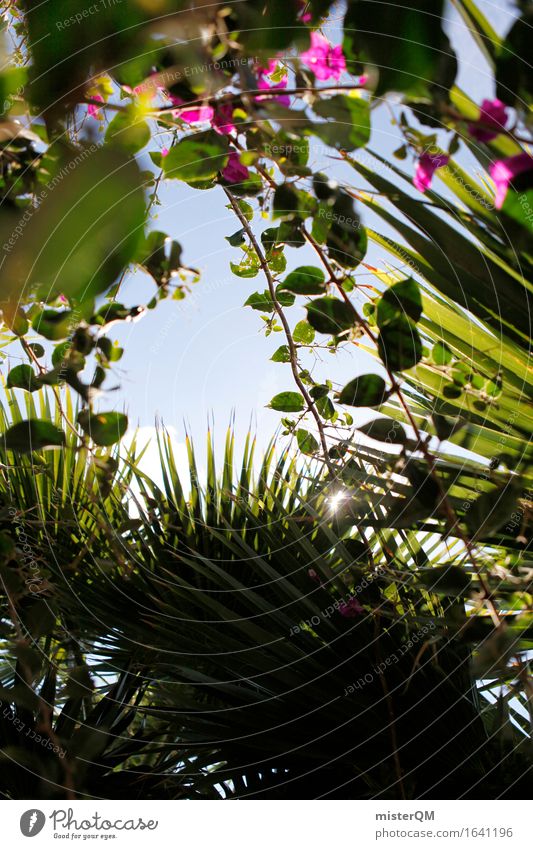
point(504, 170)
point(223, 119)
point(492, 113)
point(192, 116)
point(324, 60)
point(350, 608)
point(195, 116)
point(427, 165)
point(92, 109)
point(235, 171)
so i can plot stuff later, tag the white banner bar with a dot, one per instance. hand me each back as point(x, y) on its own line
point(267, 825)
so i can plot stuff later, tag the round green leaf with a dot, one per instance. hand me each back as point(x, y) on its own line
point(384, 430)
point(127, 132)
point(306, 441)
point(23, 377)
point(54, 324)
point(399, 344)
point(402, 299)
point(288, 402)
point(329, 315)
point(306, 280)
point(369, 390)
point(103, 428)
point(350, 124)
point(282, 355)
point(32, 435)
point(441, 354)
point(198, 157)
point(303, 333)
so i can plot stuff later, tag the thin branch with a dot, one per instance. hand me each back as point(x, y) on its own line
point(290, 342)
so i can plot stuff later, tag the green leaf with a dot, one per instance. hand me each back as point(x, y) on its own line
point(350, 124)
point(288, 402)
point(384, 430)
point(519, 206)
point(236, 239)
point(445, 580)
point(401, 299)
point(54, 324)
point(326, 409)
point(369, 390)
point(198, 157)
point(32, 435)
point(103, 428)
point(282, 355)
point(407, 46)
point(260, 301)
point(441, 354)
point(244, 270)
point(305, 280)
point(127, 132)
point(23, 377)
point(303, 333)
point(399, 344)
point(160, 256)
point(286, 203)
point(330, 315)
point(60, 353)
point(37, 349)
point(86, 229)
point(263, 302)
point(306, 441)
point(245, 208)
point(491, 510)
point(346, 238)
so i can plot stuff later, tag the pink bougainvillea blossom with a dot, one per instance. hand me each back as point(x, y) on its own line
point(325, 60)
point(350, 608)
point(235, 171)
point(503, 171)
point(427, 165)
point(194, 115)
point(264, 84)
point(492, 114)
point(222, 120)
point(303, 15)
point(92, 109)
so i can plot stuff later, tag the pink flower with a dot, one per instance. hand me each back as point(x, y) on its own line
point(264, 84)
point(326, 61)
point(350, 608)
point(505, 170)
point(427, 165)
point(192, 116)
point(492, 113)
point(303, 16)
point(235, 171)
point(164, 151)
point(223, 119)
point(92, 109)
